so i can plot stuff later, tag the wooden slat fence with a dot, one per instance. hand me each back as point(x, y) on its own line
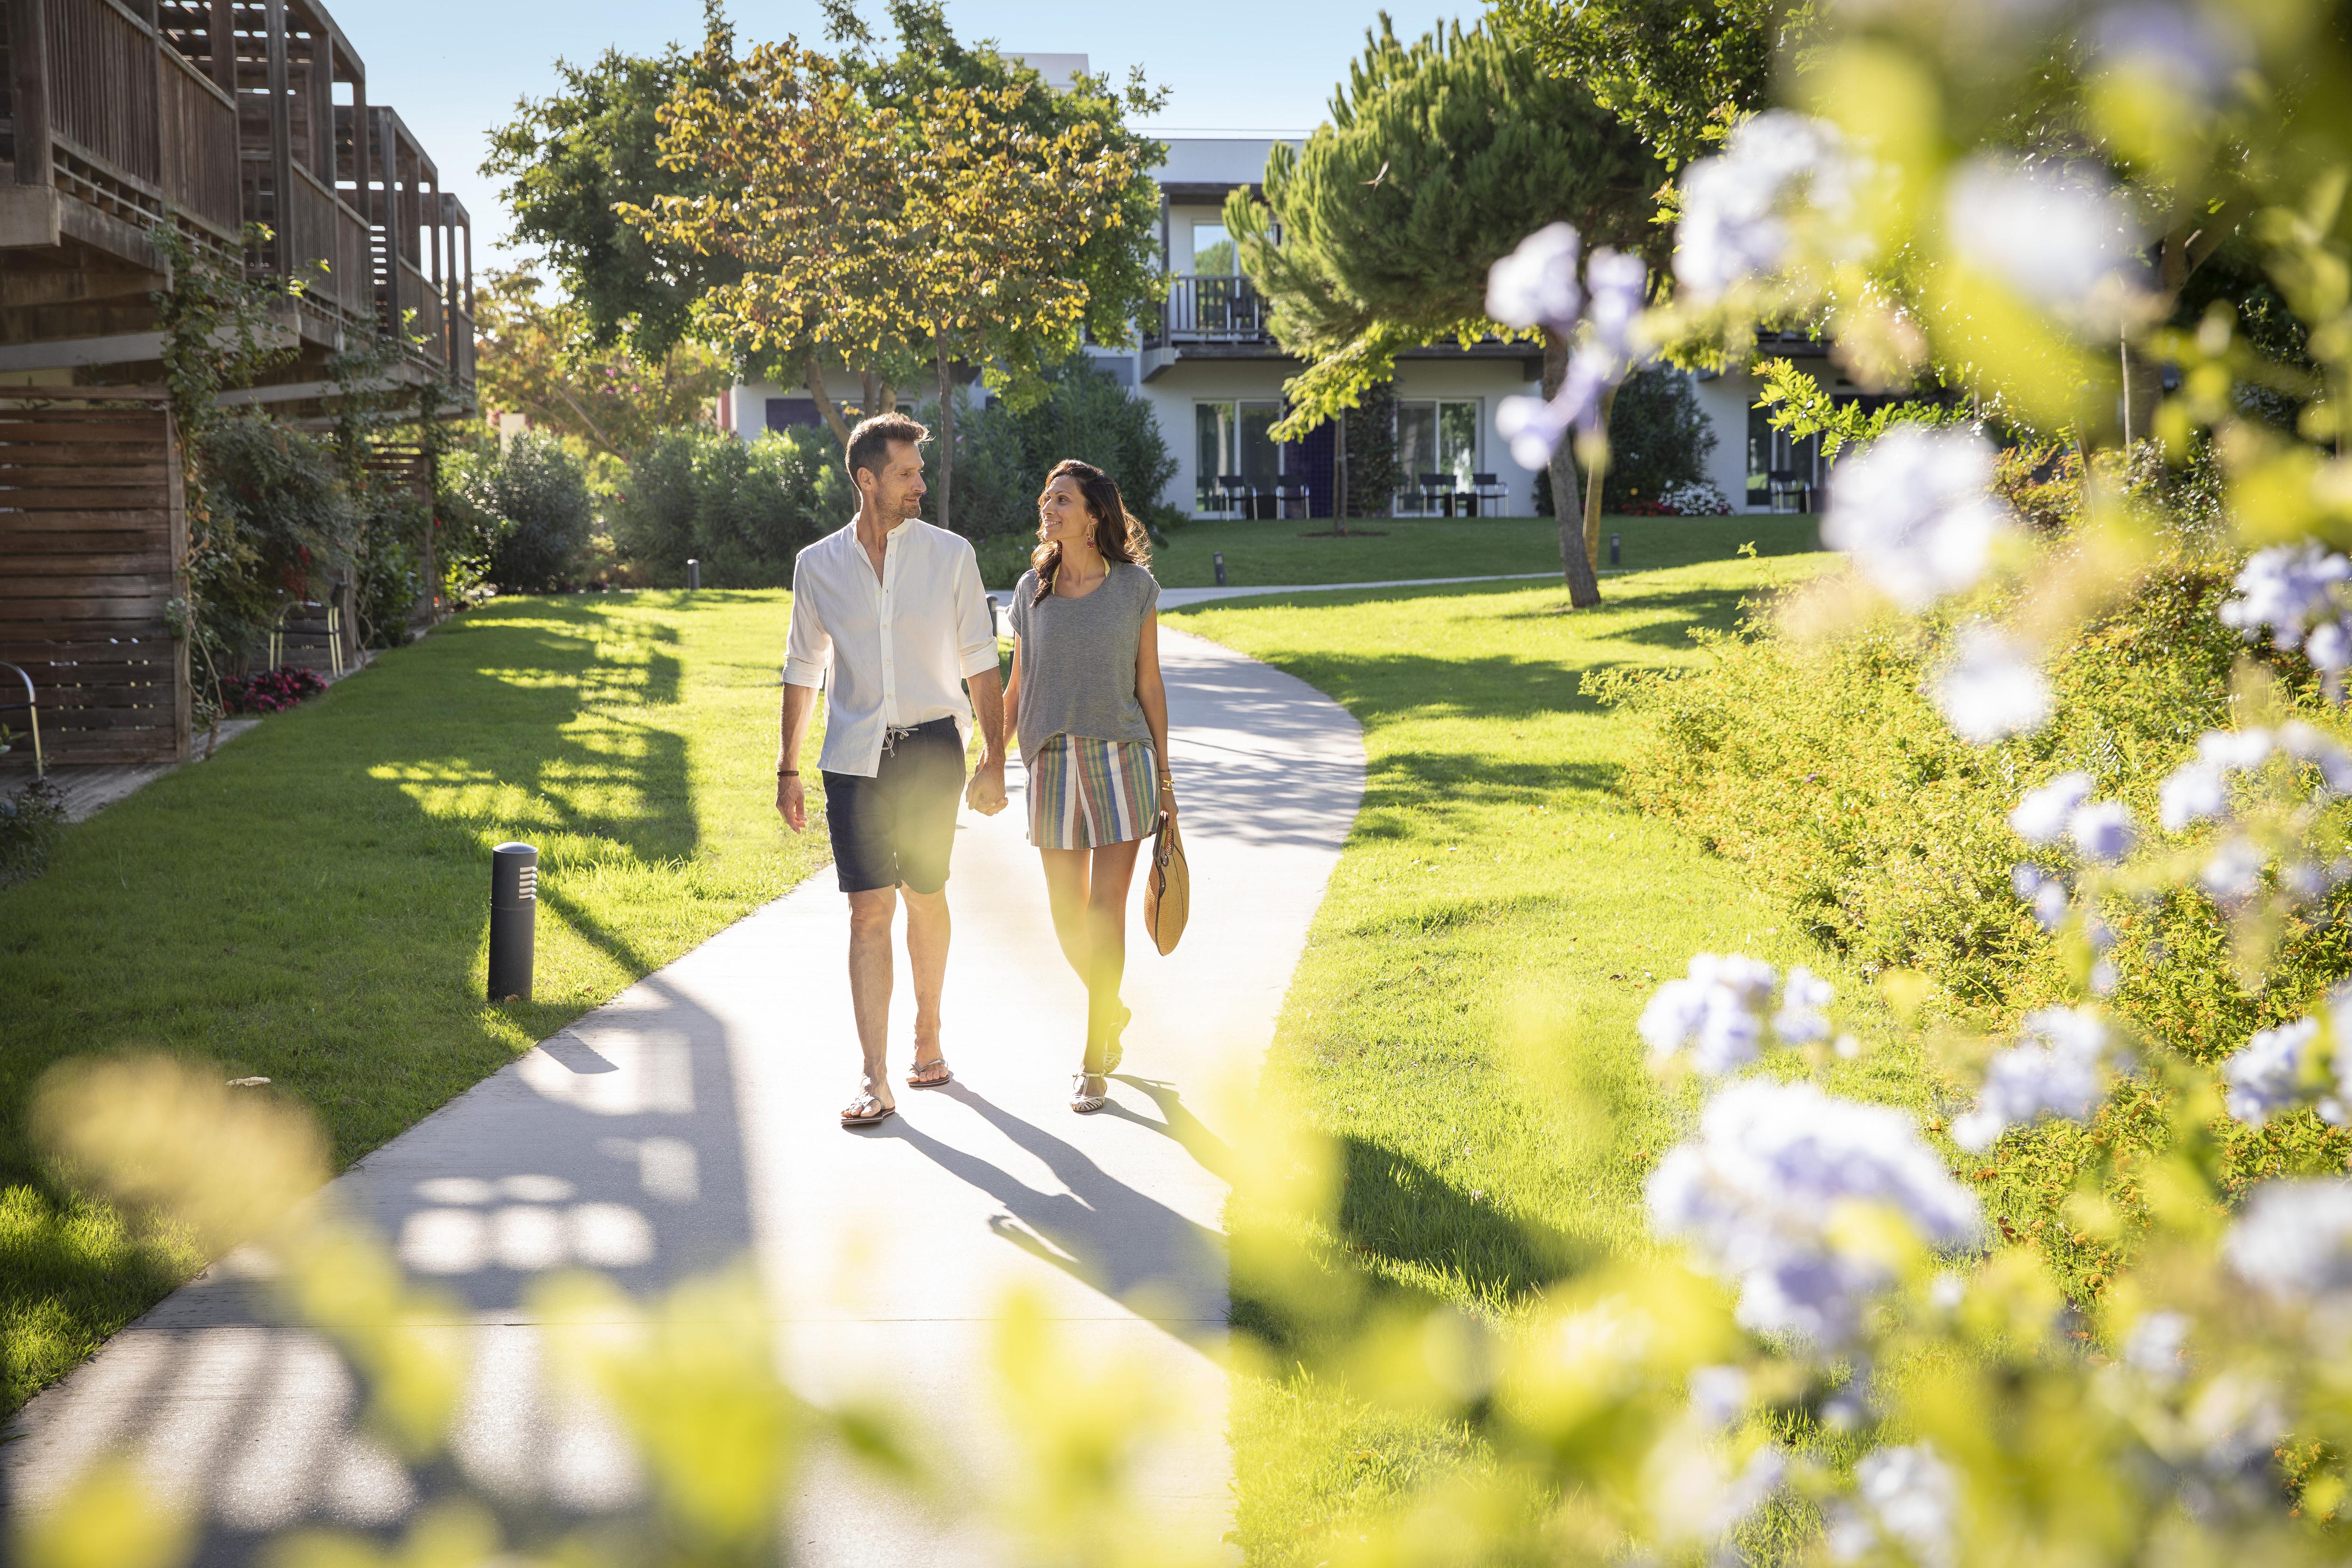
point(199, 144)
point(93, 544)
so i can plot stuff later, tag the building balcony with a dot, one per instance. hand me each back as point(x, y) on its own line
point(204, 116)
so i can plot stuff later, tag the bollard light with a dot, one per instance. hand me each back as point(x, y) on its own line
point(1217, 559)
point(991, 613)
point(693, 573)
point(1613, 540)
point(514, 909)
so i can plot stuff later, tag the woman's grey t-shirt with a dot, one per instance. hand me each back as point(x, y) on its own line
point(1077, 659)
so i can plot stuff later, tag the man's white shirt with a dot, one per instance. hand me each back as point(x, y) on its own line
point(891, 652)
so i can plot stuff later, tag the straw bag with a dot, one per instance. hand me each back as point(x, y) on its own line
point(1168, 891)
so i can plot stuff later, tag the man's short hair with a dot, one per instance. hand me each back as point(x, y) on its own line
point(869, 444)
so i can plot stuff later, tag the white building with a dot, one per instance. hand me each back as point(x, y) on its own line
point(1214, 375)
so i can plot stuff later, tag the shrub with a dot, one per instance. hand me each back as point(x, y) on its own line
point(538, 493)
point(1823, 767)
point(279, 524)
point(30, 823)
point(1658, 439)
point(742, 509)
point(1003, 456)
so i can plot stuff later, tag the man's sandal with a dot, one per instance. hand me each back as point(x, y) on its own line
point(866, 1110)
point(939, 1065)
point(1082, 1102)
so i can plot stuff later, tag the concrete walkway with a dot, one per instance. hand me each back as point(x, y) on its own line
point(1176, 598)
point(692, 1120)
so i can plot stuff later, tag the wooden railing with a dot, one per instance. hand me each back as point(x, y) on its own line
point(135, 130)
point(320, 228)
point(461, 341)
point(417, 294)
point(101, 70)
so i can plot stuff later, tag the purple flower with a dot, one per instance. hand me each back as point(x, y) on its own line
point(2102, 830)
point(1717, 1012)
point(2067, 241)
point(2266, 1073)
point(2055, 1072)
point(1758, 1192)
point(1915, 512)
point(1989, 690)
point(2044, 814)
point(1736, 207)
point(1535, 285)
point(2293, 1238)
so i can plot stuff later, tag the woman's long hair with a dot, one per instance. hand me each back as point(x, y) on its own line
point(1116, 532)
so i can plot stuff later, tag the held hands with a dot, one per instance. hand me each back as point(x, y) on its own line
point(985, 793)
point(792, 803)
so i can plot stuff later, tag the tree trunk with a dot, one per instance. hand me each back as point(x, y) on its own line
point(947, 436)
point(889, 398)
point(868, 399)
point(824, 400)
point(1575, 566)
point(1595, 467)
point(1339, 474)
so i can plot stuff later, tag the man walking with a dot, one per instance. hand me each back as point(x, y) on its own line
point(889, 617)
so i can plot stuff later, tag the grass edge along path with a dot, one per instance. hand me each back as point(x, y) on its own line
point(310, 905)
point(1461, 1025)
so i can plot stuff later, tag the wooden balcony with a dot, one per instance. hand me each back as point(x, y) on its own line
point(121, 117)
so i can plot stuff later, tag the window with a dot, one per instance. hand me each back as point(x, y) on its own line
point(1234, 438)
point(1213, 249)
point(1436, 436)
point(1782, 473)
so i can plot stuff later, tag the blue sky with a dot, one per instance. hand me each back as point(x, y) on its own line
point(454, 68)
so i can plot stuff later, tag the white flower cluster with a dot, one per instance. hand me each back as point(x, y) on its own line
point(1757, 1191)
point(1905, 1497)
point(2198, 790)
point(2064, 240)
point(2277, 1070)
point(1737, 208)
point(2053, 1072)
point(2102, 830)
point(1717, 1012)
point(2293, 1238)
point(1536, 286)
point(1915, 511)
point(2298, 591)
point(1989, 690)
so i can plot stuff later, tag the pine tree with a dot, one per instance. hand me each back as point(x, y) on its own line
point(1439, 157)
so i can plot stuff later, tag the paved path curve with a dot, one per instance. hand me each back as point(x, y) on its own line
point(692, 1119)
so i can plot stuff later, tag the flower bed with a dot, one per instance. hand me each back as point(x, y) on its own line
point(272, 690)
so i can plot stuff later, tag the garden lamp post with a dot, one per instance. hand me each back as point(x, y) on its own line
point(514, 911)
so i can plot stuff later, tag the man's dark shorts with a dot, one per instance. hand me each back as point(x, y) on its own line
point(898, 826)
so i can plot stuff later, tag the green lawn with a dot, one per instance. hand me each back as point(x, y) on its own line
point(1392, 548)
point(1462, 1024)
point(309, 906)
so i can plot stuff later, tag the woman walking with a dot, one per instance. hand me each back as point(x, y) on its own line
point(1087, 703)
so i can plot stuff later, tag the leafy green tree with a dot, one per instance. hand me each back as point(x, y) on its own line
point(1658, 437)
point(1677, 72)
point(1085, 415)
point(538, 357)
point(572, 158)
point(1438, 159)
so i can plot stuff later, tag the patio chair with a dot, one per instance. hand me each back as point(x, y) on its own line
point(1789, 491)
point(1485, 489)
point(1437, 492)
point(308, 621)
point(10, 702)
point(1235, 494)
point(1287, 495)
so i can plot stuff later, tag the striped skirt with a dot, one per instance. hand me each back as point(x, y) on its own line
point(1083, 793)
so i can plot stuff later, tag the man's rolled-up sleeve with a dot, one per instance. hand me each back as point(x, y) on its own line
point(975, 627)
point(808, 647)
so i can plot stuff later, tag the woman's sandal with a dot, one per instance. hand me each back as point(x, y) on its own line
point(939, 1065)
point(1082, 1102)
point(866, 1110)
